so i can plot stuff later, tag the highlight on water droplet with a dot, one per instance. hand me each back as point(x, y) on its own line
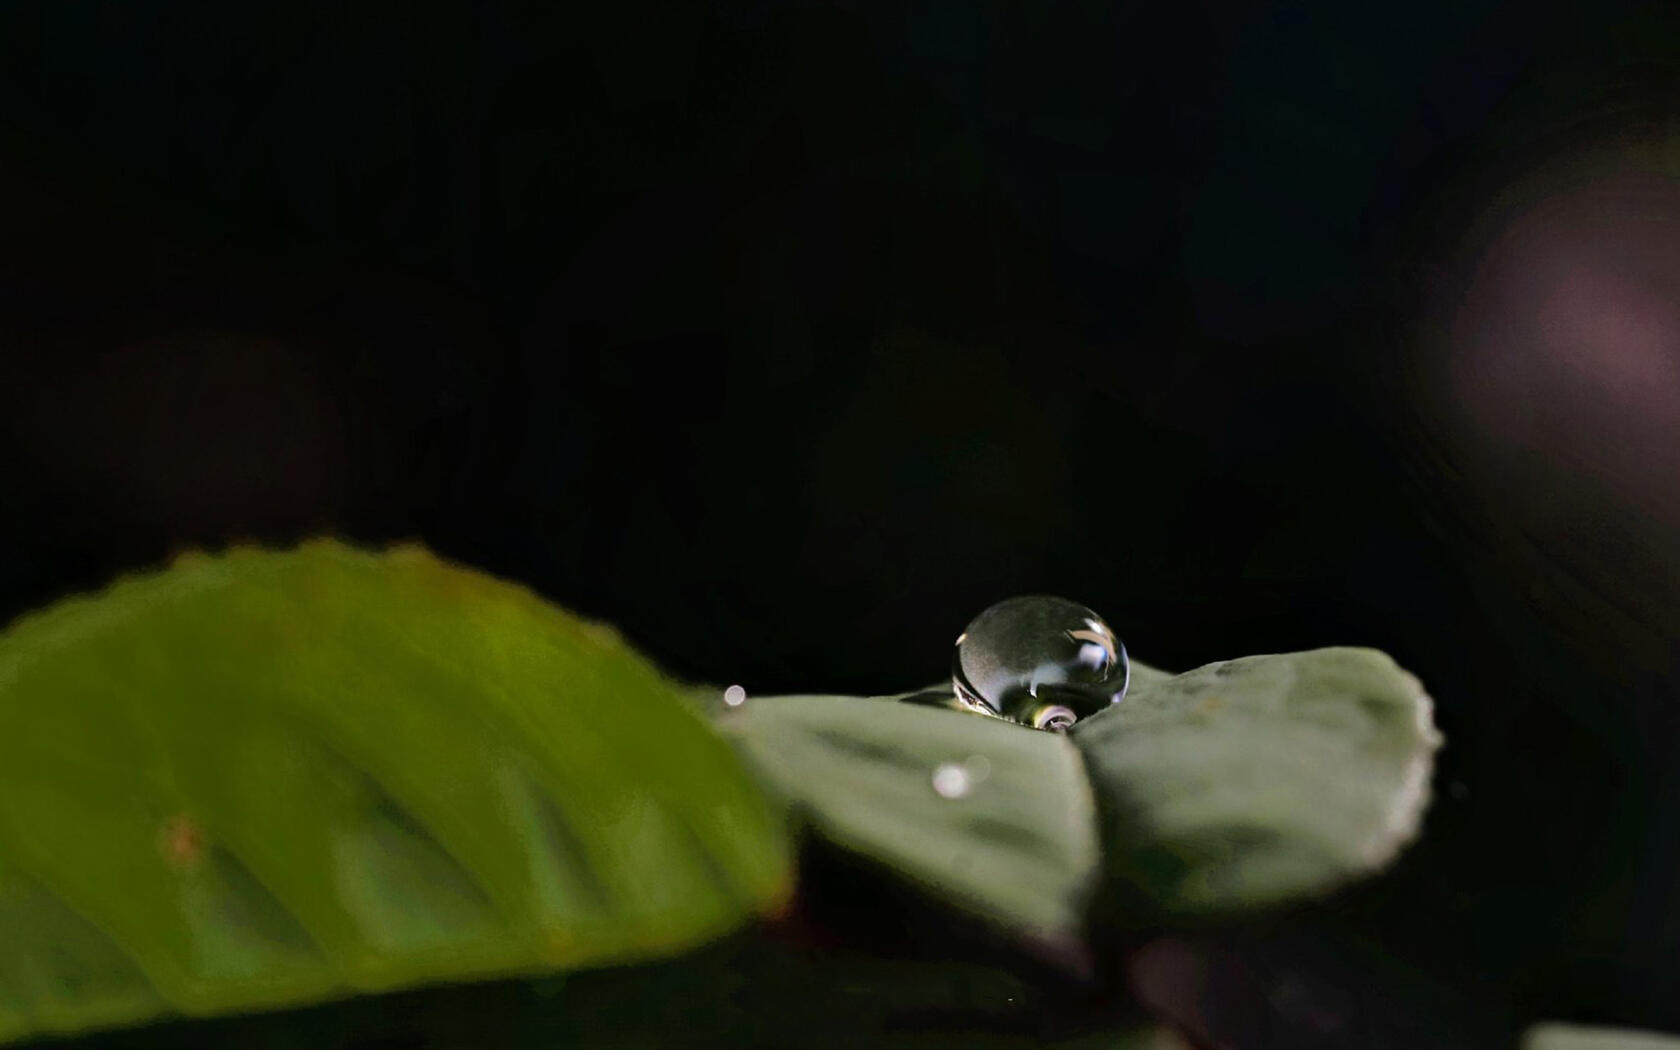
point(952, 780)
point(1056, 718)
point(735, 696)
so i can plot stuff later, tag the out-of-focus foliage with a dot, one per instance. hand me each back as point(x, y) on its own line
point(1557, 1036)
point(262, 779)
point(749, 989)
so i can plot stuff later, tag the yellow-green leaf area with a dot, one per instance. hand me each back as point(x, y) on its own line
point(265, 778)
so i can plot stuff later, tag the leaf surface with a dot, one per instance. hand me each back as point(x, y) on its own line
point(1254, 781)
point(1242, 784)
point(1017, 844)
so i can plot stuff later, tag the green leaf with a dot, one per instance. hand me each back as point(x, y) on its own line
point(1253, 781)
point(1241, 784)
point(263, 779)
point(1556, 1036)
point(1017, 847)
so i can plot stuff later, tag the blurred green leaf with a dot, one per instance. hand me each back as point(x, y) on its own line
point(1556, 1036)
point(1253, 781)
point(263, 779)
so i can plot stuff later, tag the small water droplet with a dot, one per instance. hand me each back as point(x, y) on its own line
point(735, 696)
point(979, 767)
point(1041, 661)
point(952, 780)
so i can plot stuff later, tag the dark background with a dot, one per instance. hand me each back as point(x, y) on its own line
point(788, 336)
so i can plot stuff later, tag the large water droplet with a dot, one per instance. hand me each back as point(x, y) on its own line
point(1042, 661)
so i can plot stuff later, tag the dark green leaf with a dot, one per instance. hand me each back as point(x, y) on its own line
point(749, 990)
point(1253, 781)
point(1240, 784)
point(1018, 847)
point(268, 778)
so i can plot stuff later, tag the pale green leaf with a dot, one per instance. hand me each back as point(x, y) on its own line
point(1554, 1035)
point(1017, 847)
